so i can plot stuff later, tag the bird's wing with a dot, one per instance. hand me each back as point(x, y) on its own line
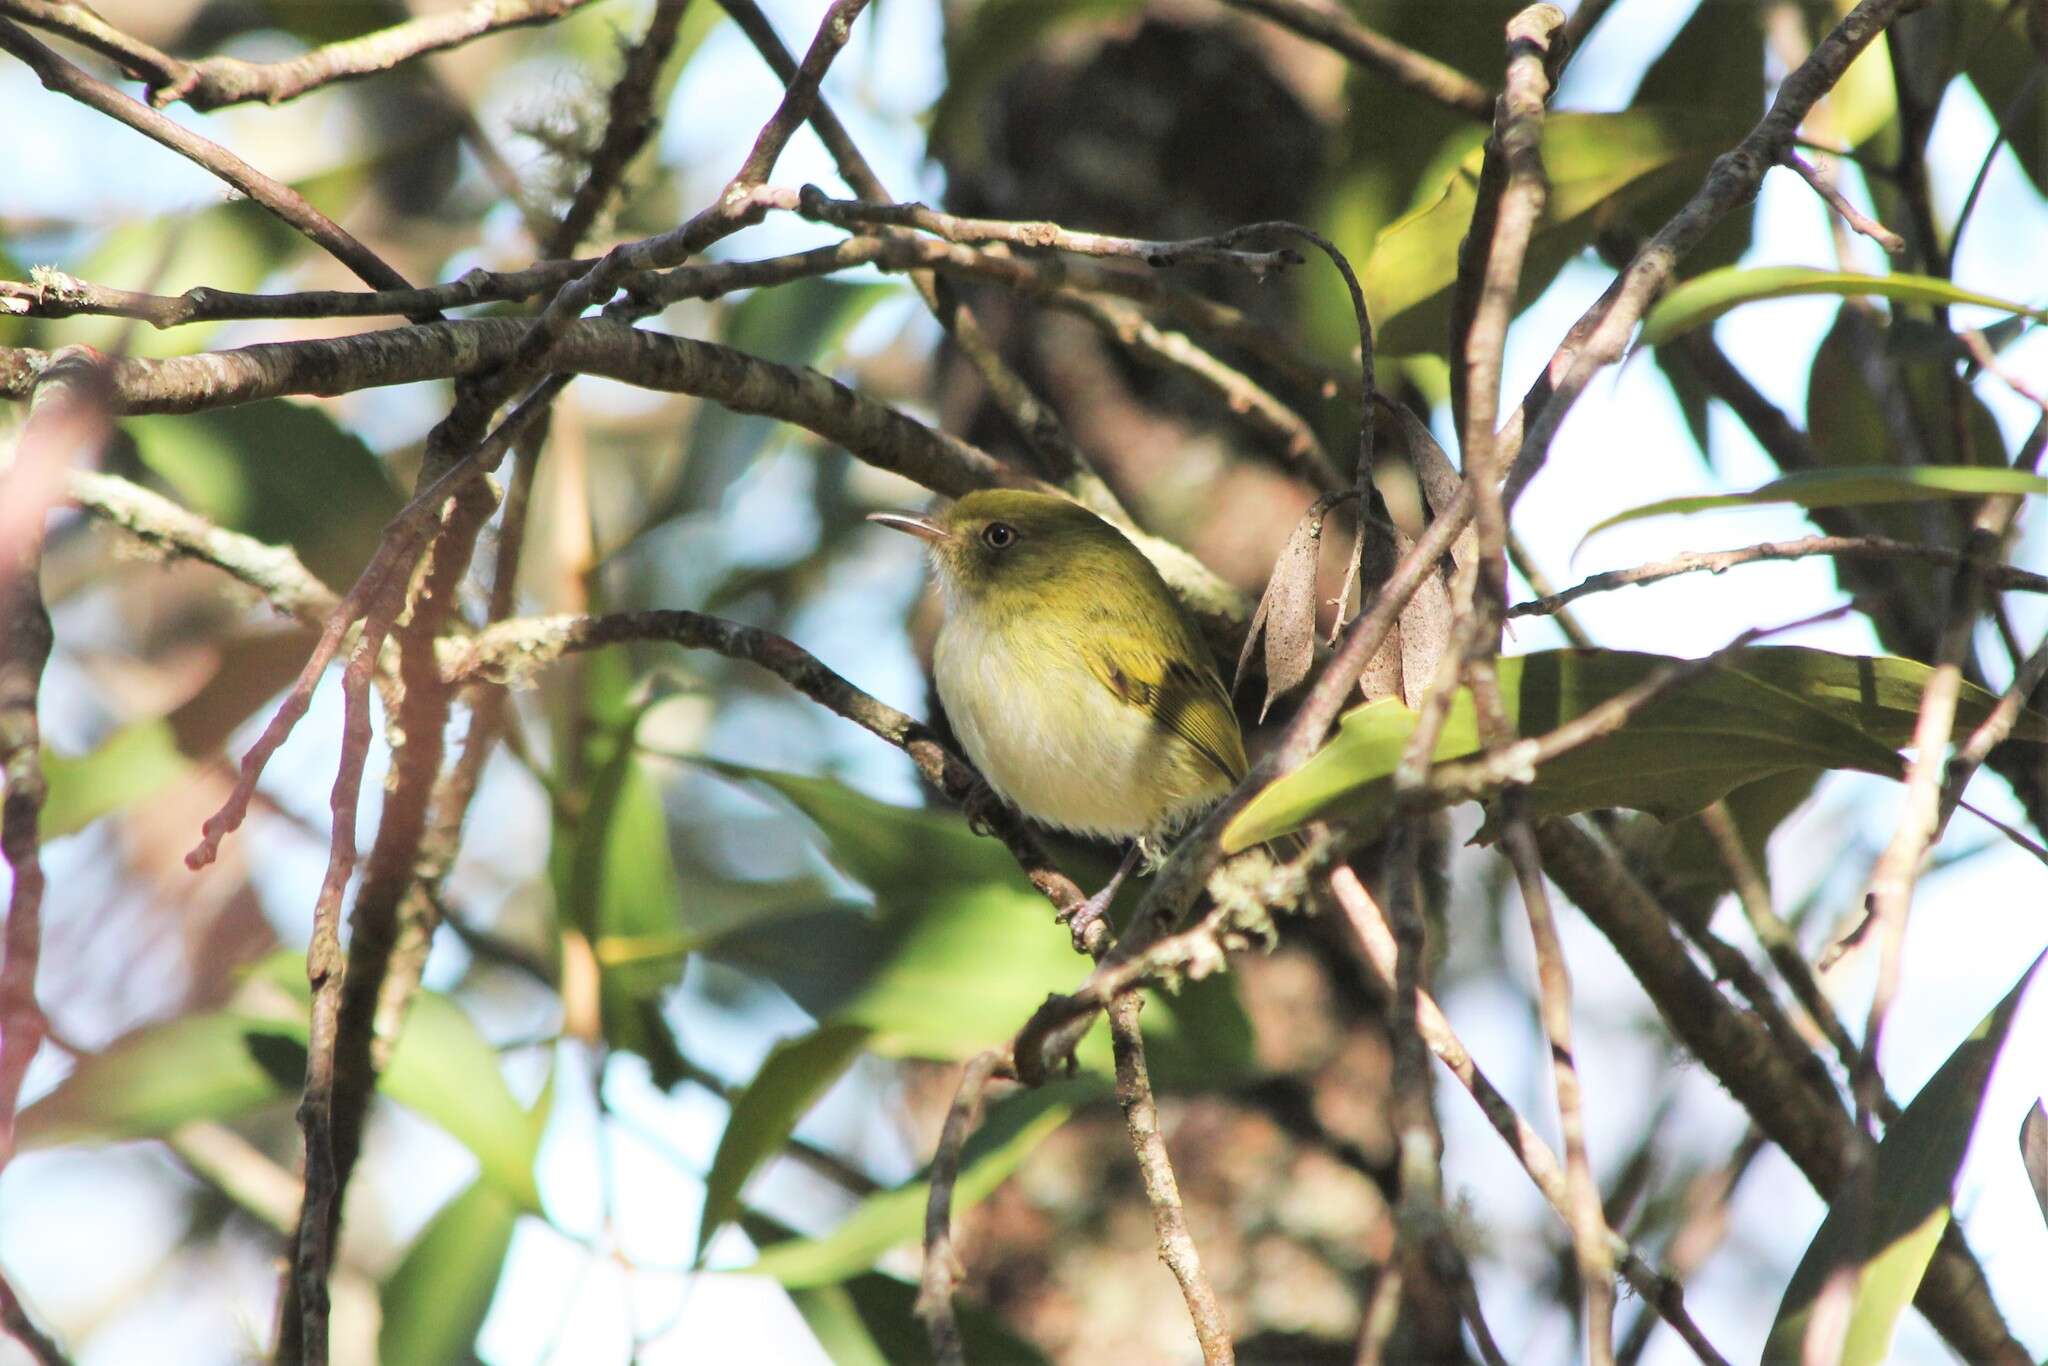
point(1187, 699)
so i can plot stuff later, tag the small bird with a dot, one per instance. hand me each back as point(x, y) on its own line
point(1071, 676)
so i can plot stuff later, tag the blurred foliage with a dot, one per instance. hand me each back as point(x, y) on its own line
point(1881, 1232)
point(713, 903)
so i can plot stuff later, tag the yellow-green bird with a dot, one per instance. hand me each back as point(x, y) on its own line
point(1070, 674)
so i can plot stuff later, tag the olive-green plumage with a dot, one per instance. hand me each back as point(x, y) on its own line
point(1068, 671)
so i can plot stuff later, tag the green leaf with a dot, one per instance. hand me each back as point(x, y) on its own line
point(153, 1079)
point(281, 471)
point(870, 1320)
point(961, 949)
point(128, 766)
point(614, 878)
point(1593, 160)
point(442, 1069)
point(1692, 875)
point(2004, 67)
point(1879, 695)
point(435, 1301)
point(1883, 1231)
point(795, 1074)
point(1852, 487)
point(1768, 710)
point(1012, 1128)
point(226, 1063)
point(1704, 298)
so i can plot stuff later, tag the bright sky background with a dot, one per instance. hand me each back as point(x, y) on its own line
point(75, 1222)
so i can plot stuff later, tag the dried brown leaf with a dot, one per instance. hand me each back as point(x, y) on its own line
point(1287, 610)
point(2034, 1152)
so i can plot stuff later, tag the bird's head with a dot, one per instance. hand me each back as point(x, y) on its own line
point(1014, 545)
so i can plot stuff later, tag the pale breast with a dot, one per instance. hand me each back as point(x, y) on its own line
point(1068, 752)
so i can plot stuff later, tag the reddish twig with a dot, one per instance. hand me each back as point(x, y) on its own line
point(67, 425)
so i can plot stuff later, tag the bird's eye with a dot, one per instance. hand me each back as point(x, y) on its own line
point(998, 535)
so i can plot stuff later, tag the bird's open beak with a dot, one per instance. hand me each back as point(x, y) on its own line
point(915, 526)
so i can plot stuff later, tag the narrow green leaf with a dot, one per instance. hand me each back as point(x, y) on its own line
point(130, 765)
point(153, 1079)
point(1883, 1231)
point(1014, 1126)
point(1851, 487)
point(871, 1319)
point(1704, 298)
point(614, 878)
point(795, 1074)
point(226, 1063)
point(442, 1069)
point(1594, 161)
point(960, 948)
point(1768, 711)
point(435, 1301)
point(284, 472)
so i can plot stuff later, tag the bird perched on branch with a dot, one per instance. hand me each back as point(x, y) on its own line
point(1077, 686)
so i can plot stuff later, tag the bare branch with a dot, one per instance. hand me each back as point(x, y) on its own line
point(1997, 575)
point(1377, 942)
point(1814, 1131)
point(1824, 186)
point(156, 521)
point(1169, 1220)
point(942, 1269)
point(67, 425)
point(1220, 249)
point(1413, 71)
point(282, 200)
point(217, 81)
point(629, 120)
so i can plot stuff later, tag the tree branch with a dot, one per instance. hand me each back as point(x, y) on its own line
point(1413, 71)
point(1814, 1132)
point(216, 81)
point(287, 204)
point(1997, 574)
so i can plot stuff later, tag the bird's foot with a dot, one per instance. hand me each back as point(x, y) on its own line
point(981, 806)
point(1082, 916)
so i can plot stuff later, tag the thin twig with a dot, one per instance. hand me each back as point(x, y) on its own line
point(1997, 575)
point(1219, 249)
point(1814, 1131)
point(510, 651)
point(1824, 186)
point(942, 1269)
point(1169, 1219)
point(1411, 70)
point(274, 571)
point(217, 81)
point(1376, 939)
point(629, 119)
point(67, 425)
